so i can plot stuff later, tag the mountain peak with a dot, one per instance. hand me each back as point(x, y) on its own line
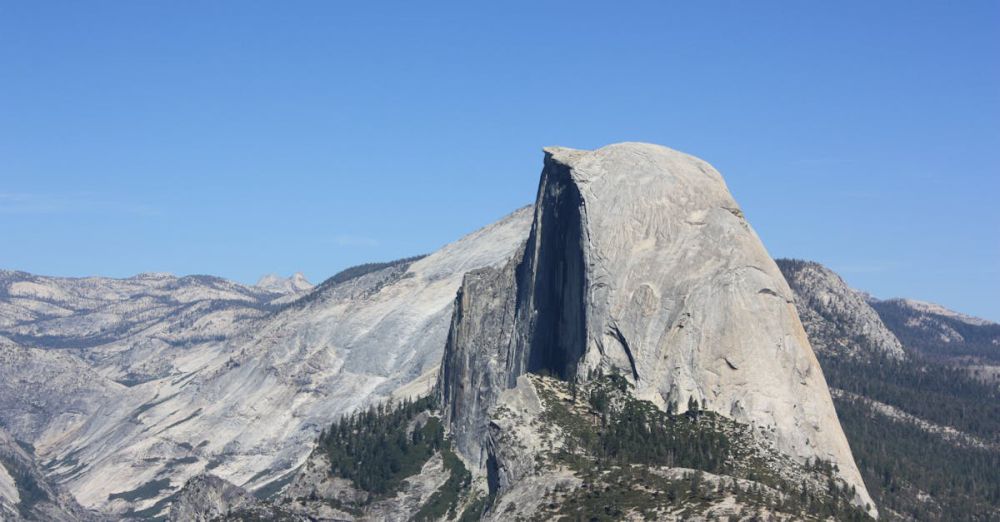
point(294, 284)
point(639, 263)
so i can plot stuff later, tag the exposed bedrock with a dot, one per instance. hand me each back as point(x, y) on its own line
point(839, 320)
point(639, 261)
point(552, 280)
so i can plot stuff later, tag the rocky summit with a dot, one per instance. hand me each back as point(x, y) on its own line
point(295, 284)
point(624, 348)
point(640, 263)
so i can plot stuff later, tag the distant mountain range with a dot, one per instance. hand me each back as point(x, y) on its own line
point(629, 316)
point(917, 399)
point(295, 284)
point(126, 388)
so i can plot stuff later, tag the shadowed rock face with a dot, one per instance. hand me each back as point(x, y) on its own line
point(552, 276)
point(478, 362)
point(639, 261)
point(527, 316)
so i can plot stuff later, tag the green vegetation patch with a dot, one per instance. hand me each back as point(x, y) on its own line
point(376, 449)
point(931, 391)
point(445, 500)
point(355, 272)
point(620, 429)
point(902, 464)
point(474, 511)
point(615, 442)
point(921, 475)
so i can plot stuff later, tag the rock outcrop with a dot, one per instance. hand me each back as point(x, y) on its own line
point(207, 497)
point(295, 284)
point(640, 262)
point(838, 319)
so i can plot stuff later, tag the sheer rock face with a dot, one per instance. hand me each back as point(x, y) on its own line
point(640, 261)
point(477, 363)
point(838, 319)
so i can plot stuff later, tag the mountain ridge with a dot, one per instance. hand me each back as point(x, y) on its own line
point(240, 383)
point(220, 404)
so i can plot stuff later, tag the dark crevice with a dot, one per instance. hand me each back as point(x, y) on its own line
point(628, 350)
point(492, 477)
point(554, 280)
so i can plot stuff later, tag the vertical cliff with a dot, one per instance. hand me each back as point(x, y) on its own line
point(640, 262)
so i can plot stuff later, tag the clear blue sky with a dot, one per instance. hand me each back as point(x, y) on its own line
point(238, 138)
